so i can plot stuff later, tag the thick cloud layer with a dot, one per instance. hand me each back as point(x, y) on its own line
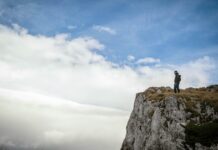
point(32, 121)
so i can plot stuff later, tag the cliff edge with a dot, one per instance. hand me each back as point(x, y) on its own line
point(162, 120)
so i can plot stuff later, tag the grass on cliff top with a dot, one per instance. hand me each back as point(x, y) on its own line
point(191, 95)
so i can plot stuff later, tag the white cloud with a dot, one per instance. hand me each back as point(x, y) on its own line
point(71, 27)
point(19, 29)
point(54, 136)
point(104, 29)
point(197, 73)
point(69, 68)
point(33, 121)
point(148, 60)
point(130, 58)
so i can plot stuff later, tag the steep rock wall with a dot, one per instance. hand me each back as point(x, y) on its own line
point(162, 120)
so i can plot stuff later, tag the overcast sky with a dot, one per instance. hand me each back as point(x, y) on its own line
point(70, 69)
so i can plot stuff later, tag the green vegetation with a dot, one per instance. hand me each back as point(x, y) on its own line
point(205, 134)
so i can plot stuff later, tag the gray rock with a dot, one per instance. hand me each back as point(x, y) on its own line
point(160, 125)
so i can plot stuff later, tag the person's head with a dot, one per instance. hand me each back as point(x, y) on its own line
point(176, 72)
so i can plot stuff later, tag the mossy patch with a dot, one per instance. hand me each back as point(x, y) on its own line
point(205, 134)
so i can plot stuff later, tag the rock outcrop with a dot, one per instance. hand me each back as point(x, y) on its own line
point(162, 120)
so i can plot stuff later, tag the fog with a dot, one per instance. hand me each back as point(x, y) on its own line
point(32, 121)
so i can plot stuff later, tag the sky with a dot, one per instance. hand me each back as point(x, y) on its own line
point(72, 67)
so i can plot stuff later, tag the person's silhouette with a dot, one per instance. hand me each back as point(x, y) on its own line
point(177, 81)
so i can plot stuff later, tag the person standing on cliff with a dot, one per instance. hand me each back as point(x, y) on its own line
point(177, 82)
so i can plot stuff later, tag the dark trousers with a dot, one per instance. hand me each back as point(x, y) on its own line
point(176, 88)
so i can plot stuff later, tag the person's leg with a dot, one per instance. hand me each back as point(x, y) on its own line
point(175, 88)
point(178, 88)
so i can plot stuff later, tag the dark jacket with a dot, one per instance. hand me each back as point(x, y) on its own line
point(177, 78)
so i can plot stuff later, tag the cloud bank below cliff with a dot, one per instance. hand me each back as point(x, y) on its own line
point(32, 121)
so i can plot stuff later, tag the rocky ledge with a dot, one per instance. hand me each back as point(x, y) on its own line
point(162, 120)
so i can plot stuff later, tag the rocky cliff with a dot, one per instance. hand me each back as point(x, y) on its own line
point(162, 120)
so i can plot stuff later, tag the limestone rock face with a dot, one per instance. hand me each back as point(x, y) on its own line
point(160, 120)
